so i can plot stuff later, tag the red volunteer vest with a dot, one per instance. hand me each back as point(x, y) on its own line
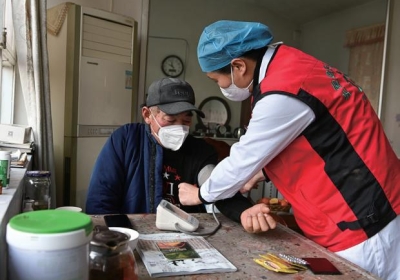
point(341, 175)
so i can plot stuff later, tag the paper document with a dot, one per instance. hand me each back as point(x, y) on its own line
point(166, 254)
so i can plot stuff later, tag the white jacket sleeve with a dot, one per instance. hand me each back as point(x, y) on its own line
point(276, 121)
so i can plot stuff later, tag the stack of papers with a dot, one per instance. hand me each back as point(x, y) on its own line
point(24, 148)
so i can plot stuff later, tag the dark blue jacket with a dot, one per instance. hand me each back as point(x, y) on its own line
point(127, 176)
point(124, 175)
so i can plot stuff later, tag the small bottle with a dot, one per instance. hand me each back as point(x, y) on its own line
point(5, 167)
point(37, 190)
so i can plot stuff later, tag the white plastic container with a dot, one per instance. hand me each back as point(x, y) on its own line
point(49, 245)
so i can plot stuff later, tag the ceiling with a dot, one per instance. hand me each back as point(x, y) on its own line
point(303, 11)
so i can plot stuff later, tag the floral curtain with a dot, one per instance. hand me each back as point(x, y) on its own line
point(366, 57)
point(29, 20)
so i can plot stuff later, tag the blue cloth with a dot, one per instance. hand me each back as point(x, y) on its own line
point(120, 181)
point(225, 40)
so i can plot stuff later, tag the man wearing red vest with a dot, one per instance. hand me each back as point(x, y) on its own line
point(315, 135)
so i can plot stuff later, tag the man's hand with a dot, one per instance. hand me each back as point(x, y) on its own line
point(257, 219)
point(252, 183)
point(189, 194)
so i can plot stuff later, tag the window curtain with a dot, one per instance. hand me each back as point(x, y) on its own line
point(29, 20)
point(366, 57)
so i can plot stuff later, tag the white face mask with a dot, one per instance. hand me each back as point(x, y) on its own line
point(235, 93)
point(172, 136)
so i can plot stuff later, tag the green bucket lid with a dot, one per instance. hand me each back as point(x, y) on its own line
point(51, 221)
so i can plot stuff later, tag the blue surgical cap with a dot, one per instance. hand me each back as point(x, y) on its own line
point(225, 40)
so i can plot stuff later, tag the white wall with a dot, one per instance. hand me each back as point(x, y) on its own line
point(186, 19)
point(325, 37)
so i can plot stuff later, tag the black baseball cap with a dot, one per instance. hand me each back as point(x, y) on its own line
point(172, 96)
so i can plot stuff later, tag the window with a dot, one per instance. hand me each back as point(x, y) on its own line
point(366, 56)
point(7, 64)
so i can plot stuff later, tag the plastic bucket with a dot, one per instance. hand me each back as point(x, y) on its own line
point(49, 245)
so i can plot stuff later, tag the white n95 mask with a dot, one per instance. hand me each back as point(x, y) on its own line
point(235, 93)
point(172, 136)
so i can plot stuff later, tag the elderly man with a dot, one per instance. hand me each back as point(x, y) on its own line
point(143, 163)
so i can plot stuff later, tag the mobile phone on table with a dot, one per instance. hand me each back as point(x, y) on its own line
point(321, 266)
point(118, 220)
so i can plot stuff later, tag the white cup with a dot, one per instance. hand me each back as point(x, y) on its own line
point(70, 208)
